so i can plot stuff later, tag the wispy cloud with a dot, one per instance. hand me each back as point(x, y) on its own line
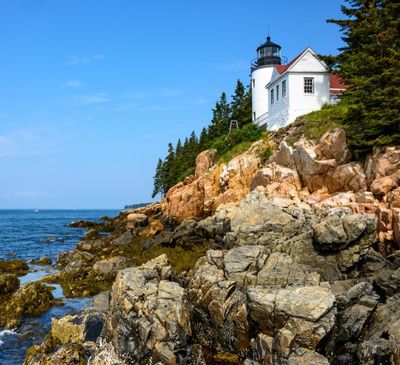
point(84, 60)
point(20, 143)
point(97, 98)
point(74, 83)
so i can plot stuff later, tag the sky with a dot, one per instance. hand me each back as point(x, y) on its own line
point(91, 92)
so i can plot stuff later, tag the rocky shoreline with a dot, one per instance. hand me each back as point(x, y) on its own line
point(292, 260)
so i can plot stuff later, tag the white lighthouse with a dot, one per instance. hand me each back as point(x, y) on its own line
point(268, 55)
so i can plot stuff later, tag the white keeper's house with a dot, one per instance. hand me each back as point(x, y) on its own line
point(281, 93)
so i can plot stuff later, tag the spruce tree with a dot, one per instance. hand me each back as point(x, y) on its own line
point(370, 65)
point(158, 179)
point(221, 118)
point(241, 104)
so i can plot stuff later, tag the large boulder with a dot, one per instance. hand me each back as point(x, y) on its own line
point(204, 161)
point(333, 145)
point(30, 300)
point(111, 266)
point(9, 283)
point(303, 315)
point(15, 266)
point(149, 316)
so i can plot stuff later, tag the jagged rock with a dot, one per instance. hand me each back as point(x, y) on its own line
point(377, 351)
point(308, 167)
point(15, 266)
point(82, 224)
point(388, 282)
point(148, 314)
point(336, 233)
point(101, 302)
point(77, 329)
point(30, 300)
point(67, 257)
point(9, 283)
point(71, 353)
point(277, 180)
point(396, 225)
point(333, 145)
point(124, 239)
point(44, 260)
point(198, 198)
point(307, 357)
point(307, 313)
point(356, 307)
point(204, 161)
point(284, 155)
point(393, 198)
point(112, 265)
point(280, 269)
point(348, 177)
point(383, 162)
point(136, 220)
point(220, 306)
point(383, 185)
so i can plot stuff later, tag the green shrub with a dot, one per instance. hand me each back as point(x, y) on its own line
point(266, 154)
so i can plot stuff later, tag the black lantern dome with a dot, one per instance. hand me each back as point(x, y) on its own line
point(269, 53)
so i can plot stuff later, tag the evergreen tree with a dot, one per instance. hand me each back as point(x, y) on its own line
point(203, 140)
point(241, 104)
point(169, 173)
point(158, 179)
point(221, 118)
point(370, 65)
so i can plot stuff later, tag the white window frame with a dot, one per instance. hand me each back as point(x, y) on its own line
point(272, 96)
point(284, 89)
point(309, 87)
point(254, 83)
point(277, 93)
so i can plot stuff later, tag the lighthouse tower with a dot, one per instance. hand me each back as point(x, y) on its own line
point(268, 55)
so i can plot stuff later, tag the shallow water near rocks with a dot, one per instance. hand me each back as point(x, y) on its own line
point(24, 235)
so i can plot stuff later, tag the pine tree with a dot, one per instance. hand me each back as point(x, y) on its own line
point(169, 175)
point(370, 65)
point(158, 179)
point(241, 104)
point(203, 140)
point(221, 118)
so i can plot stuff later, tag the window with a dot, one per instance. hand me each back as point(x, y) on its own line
point(272, 96)
point(283, 88)
point(277, 92)
point(254, 116)
point(309, 85)
point(254, 83)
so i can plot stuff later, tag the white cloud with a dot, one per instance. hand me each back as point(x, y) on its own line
point(84, 60)
point(74, 83)
point(21, 143)
point(97, 98)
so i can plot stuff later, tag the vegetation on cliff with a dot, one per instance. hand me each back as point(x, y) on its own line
point(180, 160)
point(369, 64)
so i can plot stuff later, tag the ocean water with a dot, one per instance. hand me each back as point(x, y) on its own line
point(27, 234)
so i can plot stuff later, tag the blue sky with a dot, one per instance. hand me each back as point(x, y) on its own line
point(92, 91)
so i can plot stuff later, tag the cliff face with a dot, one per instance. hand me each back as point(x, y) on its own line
point(309, 175)
point(301, 267)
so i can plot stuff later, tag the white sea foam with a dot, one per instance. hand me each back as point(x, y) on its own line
point(6, 333)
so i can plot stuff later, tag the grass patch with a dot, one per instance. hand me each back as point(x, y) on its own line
point(321, 121)
point(236, 150)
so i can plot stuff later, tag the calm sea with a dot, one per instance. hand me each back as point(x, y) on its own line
point(27, 234)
